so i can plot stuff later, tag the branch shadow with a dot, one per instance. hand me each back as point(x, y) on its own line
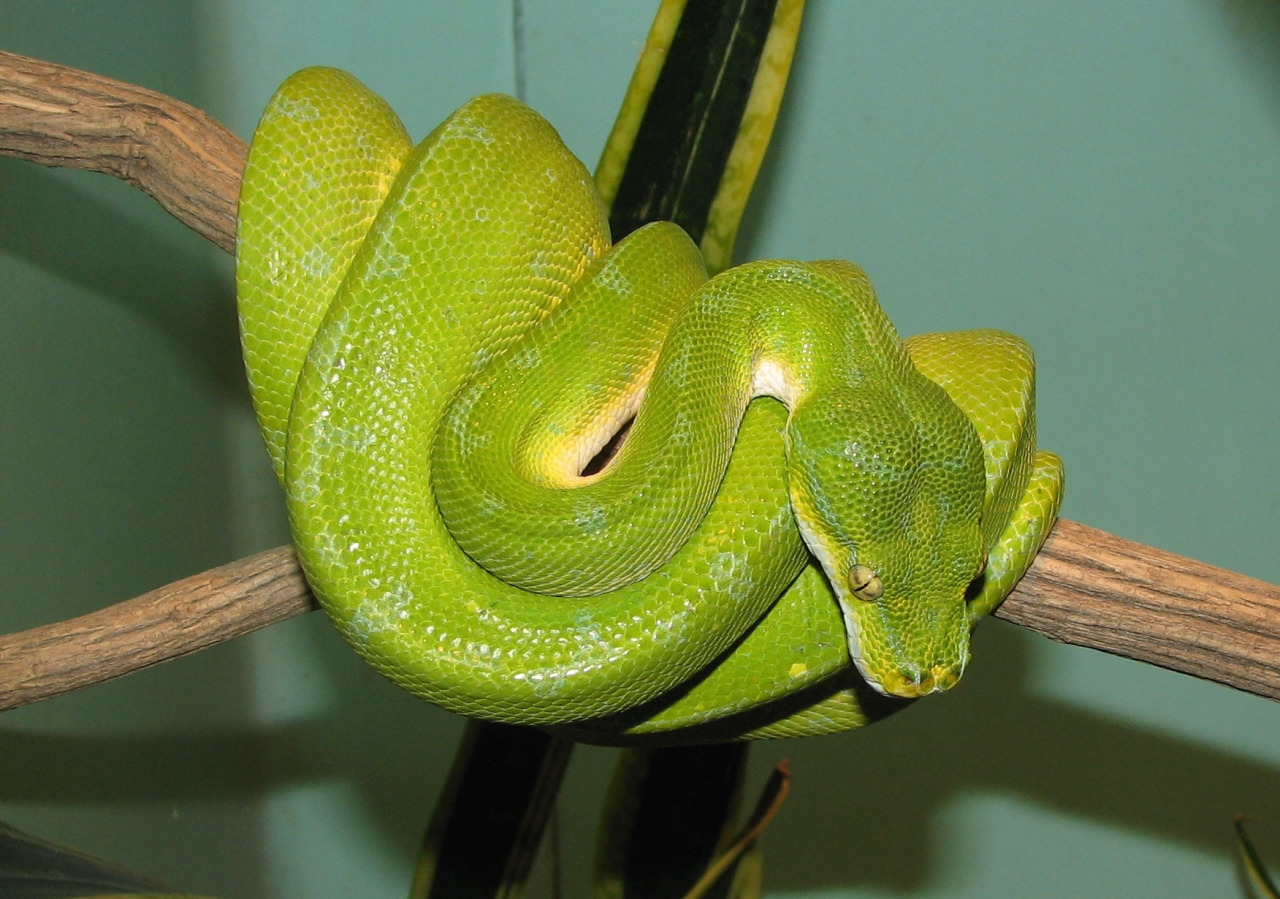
point(369, 739)
point(877, 793)
point(1255, 26)
point(169, 281)
point(885, 788)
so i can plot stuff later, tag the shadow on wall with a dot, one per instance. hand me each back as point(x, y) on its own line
point(81, 239)
point(1256, 25)
point(879, 793)
point(121, 374)
point(875, 796)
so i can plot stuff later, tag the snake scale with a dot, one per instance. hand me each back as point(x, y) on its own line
point(440, 337)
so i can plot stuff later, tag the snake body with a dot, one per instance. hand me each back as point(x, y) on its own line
point(440, 337)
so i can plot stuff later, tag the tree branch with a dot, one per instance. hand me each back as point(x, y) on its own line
point(58, 116)
point(1087, 587)
point(178, 619)
point(1090, 588)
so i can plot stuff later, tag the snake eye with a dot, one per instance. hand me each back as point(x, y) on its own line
point(865, 583)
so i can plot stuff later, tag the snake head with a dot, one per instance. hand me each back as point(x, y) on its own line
point(887, 489)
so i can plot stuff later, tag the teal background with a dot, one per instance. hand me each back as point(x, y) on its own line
point(1101, 178)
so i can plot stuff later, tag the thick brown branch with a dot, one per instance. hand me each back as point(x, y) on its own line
point(181, 618)
point(58, 116)
point(1091, 588)
point(1087, 587)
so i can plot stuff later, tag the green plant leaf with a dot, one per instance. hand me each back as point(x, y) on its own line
point(696, 121)
point(32, 868)
point(1255, 873)
point(488, 822)
point(669, 813)
point(686, 147)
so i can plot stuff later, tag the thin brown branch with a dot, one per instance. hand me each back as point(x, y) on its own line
point(58, 116)
point(1086, 587)
point(1091, 588)
point(181, 618)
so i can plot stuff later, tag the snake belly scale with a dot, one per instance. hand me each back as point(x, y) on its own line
point(438, 337)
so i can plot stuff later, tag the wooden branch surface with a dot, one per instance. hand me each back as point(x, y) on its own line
point(188, 162)
point(176, 620)
point(1087, 587)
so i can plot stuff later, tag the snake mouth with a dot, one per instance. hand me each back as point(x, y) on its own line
point(912, 683)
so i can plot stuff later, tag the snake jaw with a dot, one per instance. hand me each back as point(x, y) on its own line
point(913, 685)
point(907, 636)
point(900, 581)
point(906, 644)
point(893, 666)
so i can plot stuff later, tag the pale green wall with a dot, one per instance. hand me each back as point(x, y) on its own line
point(1101, 178)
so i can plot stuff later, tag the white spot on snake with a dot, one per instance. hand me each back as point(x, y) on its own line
point(471, 440)
point(591, 521)
point(275, 266)
point(676, 371)
point(789, 272)
point(682, 430)
point(470, 128)
point(529, 357)
point(721, 569)
point(467, 400)
point(538, 266)
point(772, 379)
point(482, 214)
point(728, 577)
point(304, 490)
point(379, 613)
point(615, 280)
point(299, 109)
point(354, 438)
point(317, 263)
point(387, 263)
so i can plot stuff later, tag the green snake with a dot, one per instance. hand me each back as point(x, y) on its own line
point(439, 338)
